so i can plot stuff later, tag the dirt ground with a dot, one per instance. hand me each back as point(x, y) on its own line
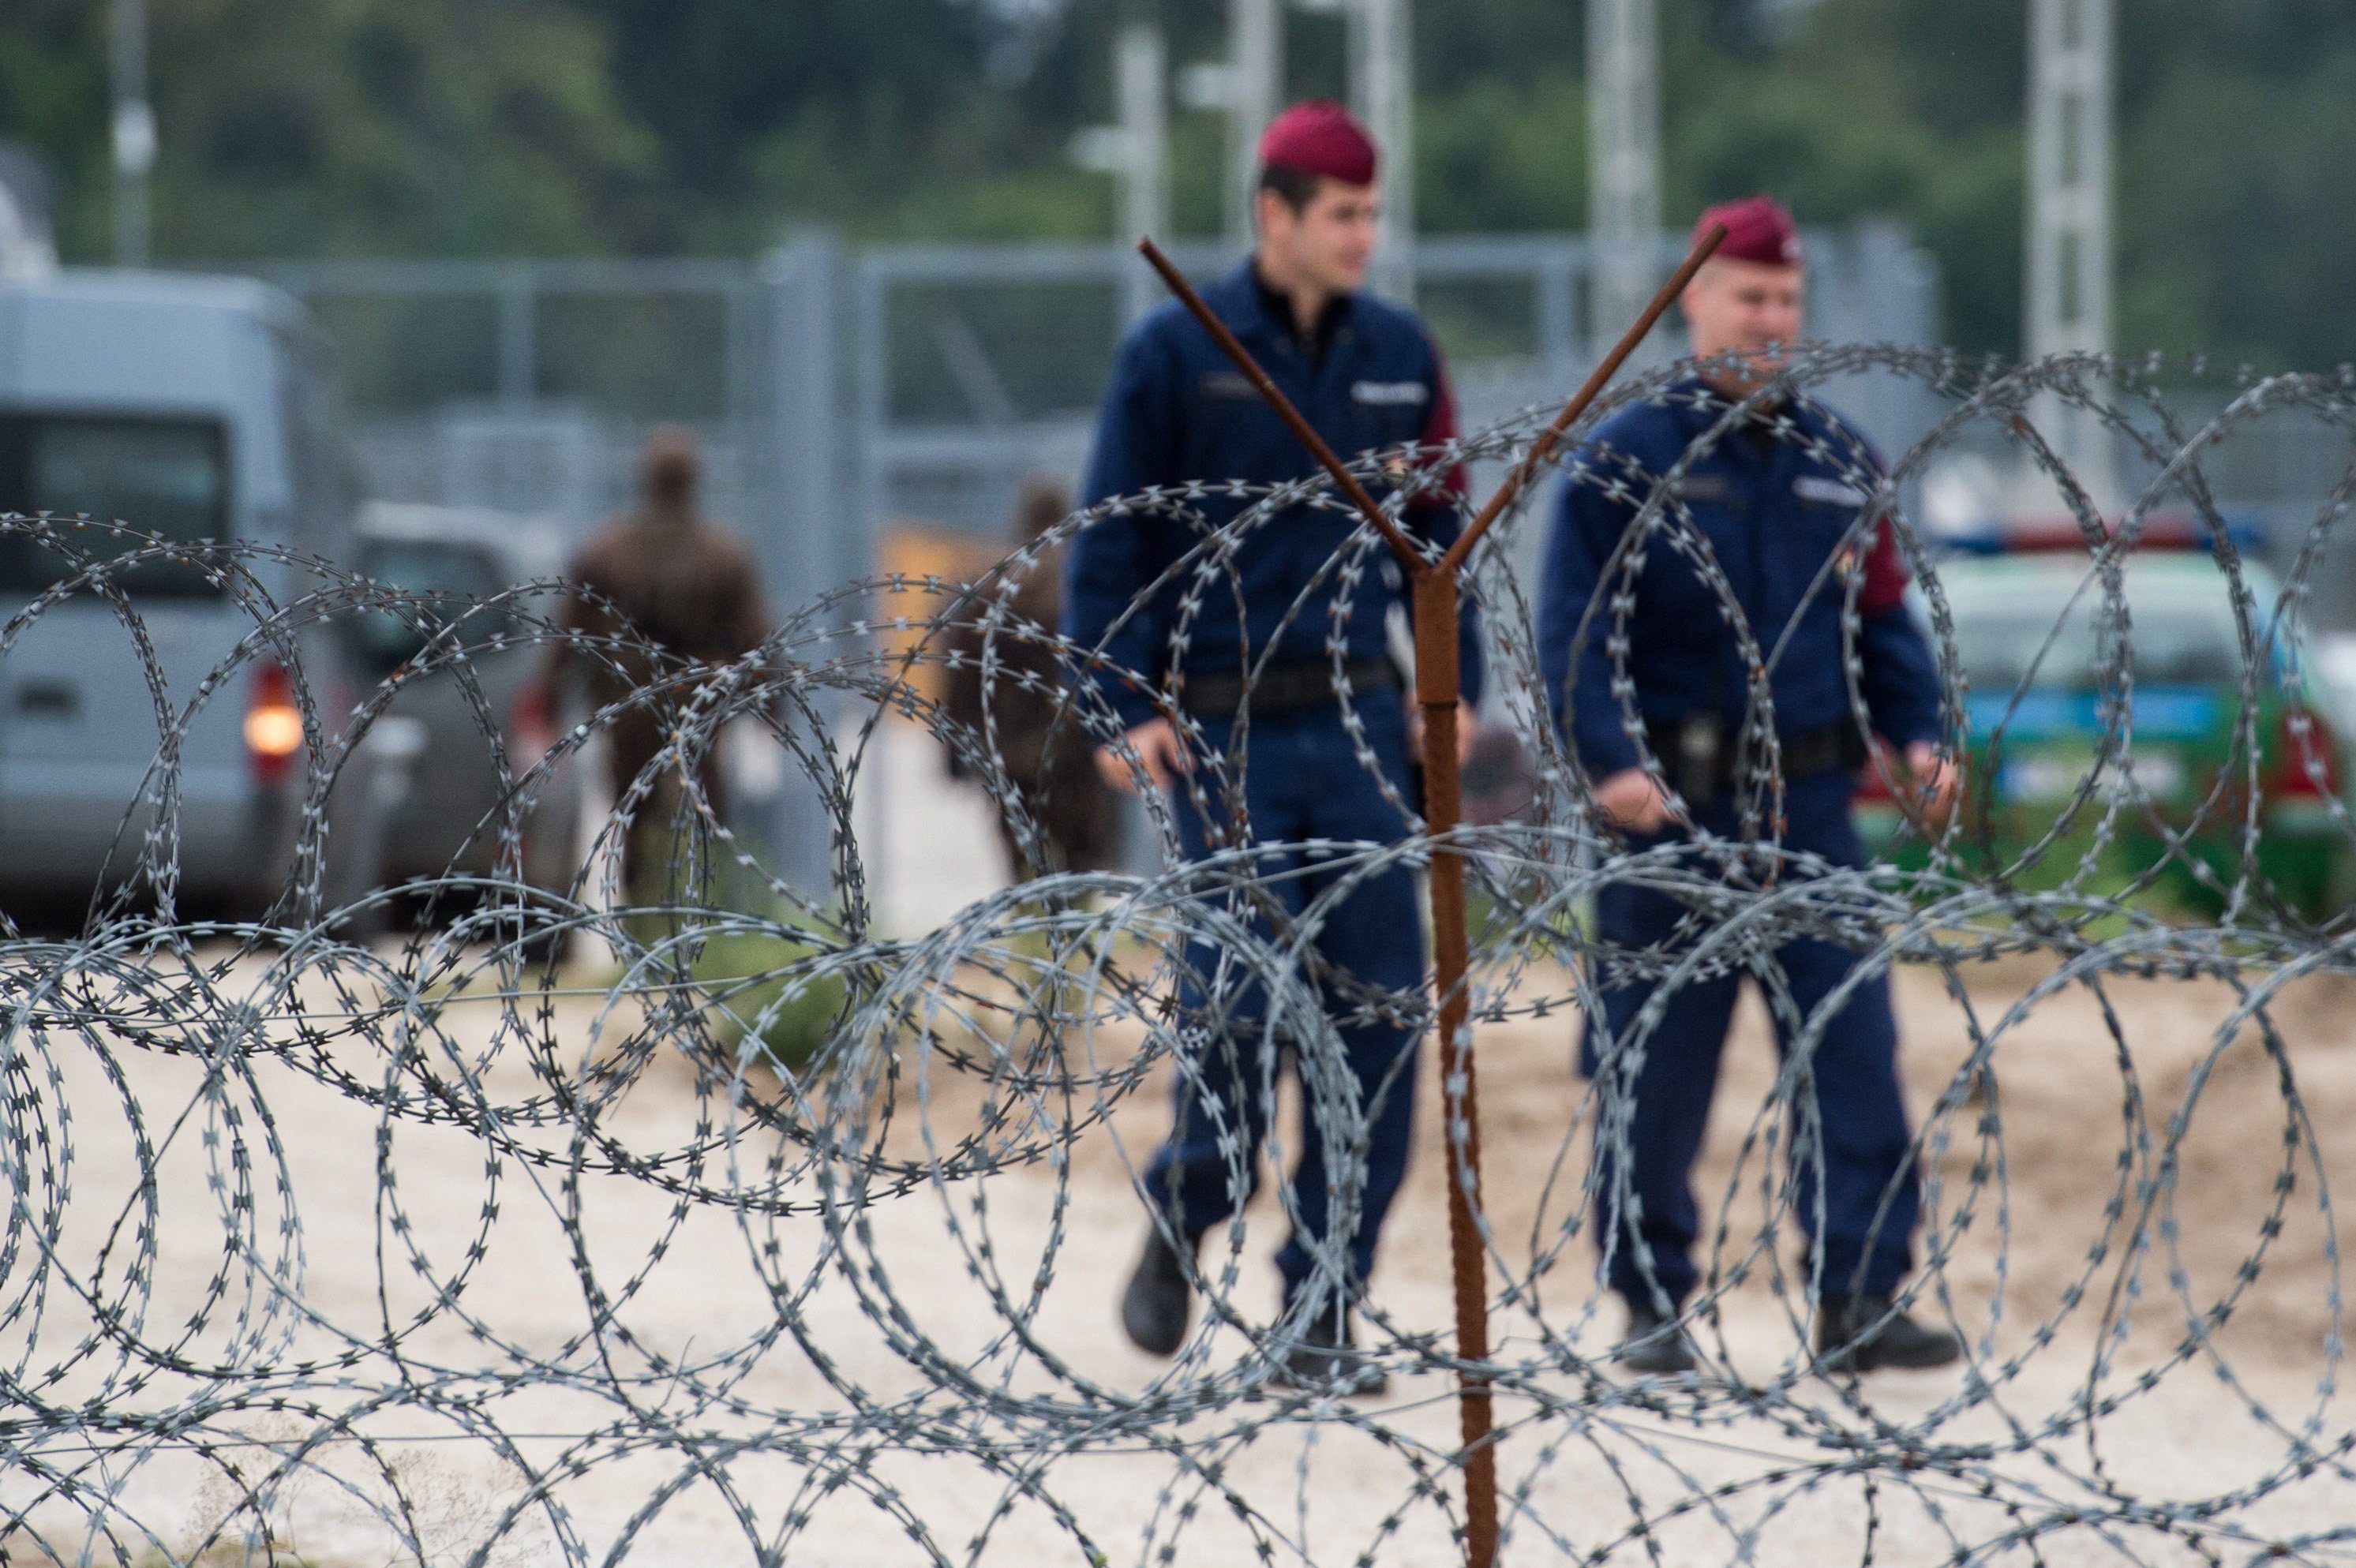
point(2122, 1193)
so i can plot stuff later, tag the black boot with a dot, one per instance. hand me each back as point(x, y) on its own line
point(1158, 1300)
point(1656, 1344)
point(1858, 1333)
point(1325, 1359)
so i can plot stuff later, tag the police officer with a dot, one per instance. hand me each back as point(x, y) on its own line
point(1367, 375)
point(1777, 502)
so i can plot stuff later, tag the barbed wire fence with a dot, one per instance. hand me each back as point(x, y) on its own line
point(756, 1232)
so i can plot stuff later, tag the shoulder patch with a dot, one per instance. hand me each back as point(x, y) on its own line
point(1712, 487)
point(1828, 492)
point(1391, 394)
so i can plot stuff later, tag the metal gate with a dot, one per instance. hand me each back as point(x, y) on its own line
point(978, 365)
point(841, 394)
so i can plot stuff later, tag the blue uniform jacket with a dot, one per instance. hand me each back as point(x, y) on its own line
point(1178, 411)
point(1774, 513)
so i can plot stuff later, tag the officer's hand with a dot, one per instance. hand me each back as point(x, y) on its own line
point(1158, 748)
point(1466, 715)
point(1936, 779)
point(1632, 800)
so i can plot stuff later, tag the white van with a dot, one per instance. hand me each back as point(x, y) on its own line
point(203, 410)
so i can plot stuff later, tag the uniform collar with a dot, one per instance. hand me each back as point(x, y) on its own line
point(1698, 406)
point(1254, 315)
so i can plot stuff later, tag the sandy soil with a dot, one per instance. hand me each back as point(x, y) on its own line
point(417, 1237)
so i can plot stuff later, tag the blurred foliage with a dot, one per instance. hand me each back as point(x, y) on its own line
point(756, 988)
point(346, 126)
point(766, 995)
point(595, 126)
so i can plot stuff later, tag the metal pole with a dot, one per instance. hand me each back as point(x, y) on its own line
point(1255, 78)
point(26, 251)
point(518, 351)
point(1143, 74)
point(1433, 586)
point(135, 132)
point(1383, 81)
point(820, 541)
point(1623, 98)
point(2069, 292)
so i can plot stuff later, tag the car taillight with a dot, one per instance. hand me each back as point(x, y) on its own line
point(274, 724)
point(531, 731)
point(2307, 757)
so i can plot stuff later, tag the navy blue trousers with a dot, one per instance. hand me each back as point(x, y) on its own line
point(1847, 1119)
point(1301, 781)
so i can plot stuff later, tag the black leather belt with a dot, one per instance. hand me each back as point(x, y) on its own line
point(1814, 751)
point(1282, 688)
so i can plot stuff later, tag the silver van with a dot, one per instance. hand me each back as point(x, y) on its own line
point(203, 410)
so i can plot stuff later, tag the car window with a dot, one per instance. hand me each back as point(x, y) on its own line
point(2180, 636)
point(452, 575)
point(317, 443)
point(169, 477)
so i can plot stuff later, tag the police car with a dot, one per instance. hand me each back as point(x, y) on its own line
point(2175, 733)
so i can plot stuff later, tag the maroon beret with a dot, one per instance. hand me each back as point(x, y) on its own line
point(1320, 137)
point(1758, 228)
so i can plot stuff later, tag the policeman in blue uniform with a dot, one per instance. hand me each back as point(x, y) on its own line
point(1367, 377)
point(1778, 501)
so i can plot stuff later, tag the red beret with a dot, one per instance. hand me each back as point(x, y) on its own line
point(1320, 137)
point(1758, 228)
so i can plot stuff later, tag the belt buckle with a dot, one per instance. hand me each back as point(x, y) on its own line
point(1700, 759)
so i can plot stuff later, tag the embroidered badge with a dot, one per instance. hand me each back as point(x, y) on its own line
point(1702, 487)
point(1391, 394)
point(1827, 492)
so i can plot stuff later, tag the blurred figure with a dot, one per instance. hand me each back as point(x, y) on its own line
point(664, 572)
point(1258, 661)
point(1782, 507)
point(1049, 760)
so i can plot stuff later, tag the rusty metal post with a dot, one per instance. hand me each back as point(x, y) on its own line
point(1435, 610)
point(1436, 679)
point(1589, 390)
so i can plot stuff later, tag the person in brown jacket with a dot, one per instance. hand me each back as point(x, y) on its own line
point(1049, 760)
point(672, 586)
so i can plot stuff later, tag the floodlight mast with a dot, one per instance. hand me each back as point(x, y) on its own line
point(1253, 78)
point(133, 131)
point(1143, 73)
point(2071, 58)
point(1382, 89)
point(1623, 181)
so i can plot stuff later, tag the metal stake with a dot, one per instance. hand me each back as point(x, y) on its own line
point(1433, 585)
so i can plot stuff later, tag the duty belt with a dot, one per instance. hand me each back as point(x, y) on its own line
point(1702, 767)
point(1285, 687)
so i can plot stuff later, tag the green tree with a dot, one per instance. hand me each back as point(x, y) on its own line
point(425, 126)
point(560, 126)
point(53, 95)
point(347, 126)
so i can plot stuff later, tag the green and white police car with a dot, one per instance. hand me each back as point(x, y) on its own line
point(2141, 728)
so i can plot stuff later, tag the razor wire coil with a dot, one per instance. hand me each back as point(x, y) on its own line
point(298, 1201)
